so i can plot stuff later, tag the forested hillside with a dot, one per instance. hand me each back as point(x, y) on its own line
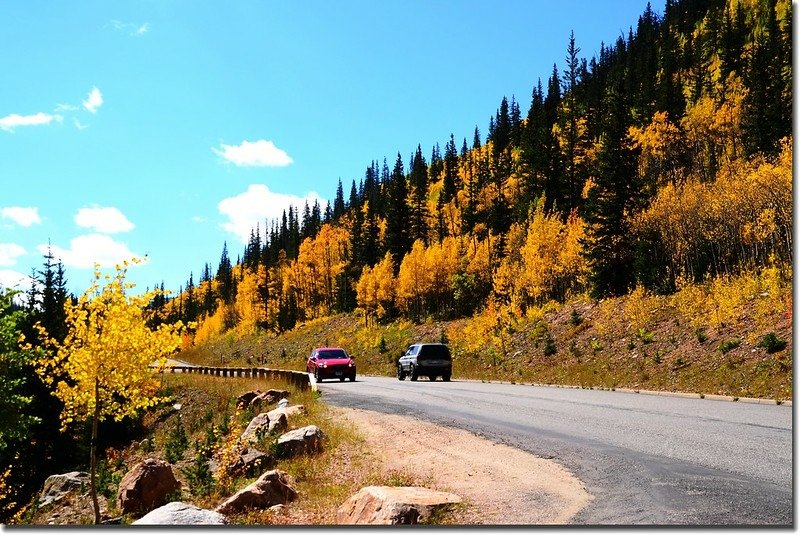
point(632, 227)
point(663, 163)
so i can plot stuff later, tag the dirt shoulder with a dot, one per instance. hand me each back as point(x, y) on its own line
point(499, 484)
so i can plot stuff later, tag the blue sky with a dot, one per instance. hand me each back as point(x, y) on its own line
point(167, 127)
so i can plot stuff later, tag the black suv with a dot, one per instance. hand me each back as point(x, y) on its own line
point(425, 359)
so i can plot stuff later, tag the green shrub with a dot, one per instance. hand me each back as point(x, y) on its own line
point(772, 343)
point(550, 346)
point(645, 336)
point(701, 335)
point(575, 318)
point(198, 474)
point(177, 443)
point(727, 345)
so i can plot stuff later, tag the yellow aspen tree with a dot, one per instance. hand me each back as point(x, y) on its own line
point(385, 285)
point(104, 359)
point(413, 280)
point(365, 294)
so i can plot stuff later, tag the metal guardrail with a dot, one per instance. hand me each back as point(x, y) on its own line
point(297, 379)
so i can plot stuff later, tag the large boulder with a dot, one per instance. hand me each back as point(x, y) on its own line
point(292, 410)
point(269, 397)
point(147, 486)
point(243, 401)
point(255, 398)
point(182, 514)
point(256, 429)
point(272, 488)
point(280, 423)
point(253, 461)
point(393, 505)
point(307, 439)
point(59, 485)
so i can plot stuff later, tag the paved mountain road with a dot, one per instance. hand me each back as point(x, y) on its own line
point(646, 459)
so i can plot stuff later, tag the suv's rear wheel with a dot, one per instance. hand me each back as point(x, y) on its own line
point(413, 373)
point(446, 377)
point(432, 377)
point(400, 374)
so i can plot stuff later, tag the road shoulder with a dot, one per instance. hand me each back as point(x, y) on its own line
point(500, 484)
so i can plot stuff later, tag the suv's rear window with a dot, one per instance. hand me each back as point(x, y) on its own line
point(332, 354)
point(435, 352)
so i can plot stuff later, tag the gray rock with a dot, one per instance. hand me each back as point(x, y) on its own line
point(288, 411)
point(252, 461)
point(182, 514)
point(280, 423)
point(257, 428)
point(307, 439)
point(59, 485)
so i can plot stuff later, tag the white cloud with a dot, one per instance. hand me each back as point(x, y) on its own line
point(93, 101)
point(10, 122)
point(22, 216)
point(261, 153)
point(14, 280)
point(66, 107)
point(257, 205)
point(108, 220)
point(132, 29)
point(89, 249)
point(79, 125)
point(9, 253)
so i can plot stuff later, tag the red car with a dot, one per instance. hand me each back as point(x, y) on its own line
point(331, 363)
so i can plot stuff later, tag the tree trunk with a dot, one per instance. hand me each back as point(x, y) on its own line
point(93, 449)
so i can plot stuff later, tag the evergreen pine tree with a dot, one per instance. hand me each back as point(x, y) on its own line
point(607, 246)
point(225, 276)
point(338, 202)
point(418, 213)
point(450, 167)
point(397, 214)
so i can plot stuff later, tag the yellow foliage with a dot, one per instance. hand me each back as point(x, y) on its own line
point(315, 273)
point(414, 280)
point(249, 306)
point(725, 299)
point(606, 314)
point(658, 143)
point(228, 452)
point(375, 290)
point(743, 216)
point(639, 307)
point(212, 326)
point(552, 262)
point(107, 352)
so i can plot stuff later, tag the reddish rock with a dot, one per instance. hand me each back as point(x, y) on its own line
point(146, 487)
point(393, 505)
point(272, 488)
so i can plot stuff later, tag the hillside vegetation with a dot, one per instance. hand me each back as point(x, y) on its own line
point(632, 229)
point(663, 167)
point(710, 343)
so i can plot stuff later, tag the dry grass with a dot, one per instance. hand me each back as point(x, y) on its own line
point(323, 481)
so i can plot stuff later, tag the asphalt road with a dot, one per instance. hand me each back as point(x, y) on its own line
point(648, 460)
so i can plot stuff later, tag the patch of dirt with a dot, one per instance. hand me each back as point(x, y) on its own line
point(499, 484)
